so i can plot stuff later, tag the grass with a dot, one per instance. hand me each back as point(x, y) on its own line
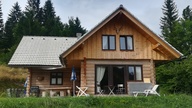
point(11, 78)
point(171, 101)
point(12, 73)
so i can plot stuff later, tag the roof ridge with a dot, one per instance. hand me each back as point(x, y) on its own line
point(48, 36)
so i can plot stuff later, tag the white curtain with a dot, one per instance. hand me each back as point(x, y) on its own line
point(105, 42)
point(138, 73)
point(100, 74)
point(130, 43)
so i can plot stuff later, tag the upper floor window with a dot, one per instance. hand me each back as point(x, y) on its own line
point(108, 42)
point(56, 78)
point(126, 42)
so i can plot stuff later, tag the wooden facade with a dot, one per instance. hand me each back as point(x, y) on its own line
point(92, 47)
point(41, 77)
point(148, 48)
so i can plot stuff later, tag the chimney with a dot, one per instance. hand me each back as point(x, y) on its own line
point(78, 35)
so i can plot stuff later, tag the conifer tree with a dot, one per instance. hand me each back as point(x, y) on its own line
point(33, 7)
point(1, 28)
point(32, 18)
point(51, 23)
point(187, 13)
point(13, 19)
point(73, 27)
point(167, 21)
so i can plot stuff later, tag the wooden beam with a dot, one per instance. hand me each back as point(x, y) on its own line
point(85, 70)
point(160, 48)
point(153, 74)
point(154, 47)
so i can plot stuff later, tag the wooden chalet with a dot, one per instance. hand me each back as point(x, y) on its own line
point(118, 50)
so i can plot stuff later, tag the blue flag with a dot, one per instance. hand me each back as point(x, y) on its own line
point(73, 75)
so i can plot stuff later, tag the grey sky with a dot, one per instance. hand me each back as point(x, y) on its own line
point(91, 12)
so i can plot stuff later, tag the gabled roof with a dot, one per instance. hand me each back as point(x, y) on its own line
point(150, 35)
point(40, 51)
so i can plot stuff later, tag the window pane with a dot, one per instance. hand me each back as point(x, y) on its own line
point(129, 43)
point(53, 80)
point(59, 74)
point(53, 74)
point(122, 43)
point(138, 73)
point(112, 42)
point(105, 42)
point(59, 80)
point(131, 72)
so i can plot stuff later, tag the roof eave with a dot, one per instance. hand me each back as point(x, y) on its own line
point(37, 66)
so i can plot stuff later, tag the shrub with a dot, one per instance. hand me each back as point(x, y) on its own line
point(175, 77)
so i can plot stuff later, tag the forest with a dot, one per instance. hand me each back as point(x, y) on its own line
point(172, 76)
point(34, 20)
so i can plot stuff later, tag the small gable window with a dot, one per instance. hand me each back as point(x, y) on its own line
point(108, 42)
point(126, 42)
point(56, 78)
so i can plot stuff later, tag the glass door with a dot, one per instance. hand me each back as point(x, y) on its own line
point(118, 76)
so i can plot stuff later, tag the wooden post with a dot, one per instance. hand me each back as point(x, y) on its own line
point(85, 71)
point(73, 87)
point(28, 83)
point(153, 77)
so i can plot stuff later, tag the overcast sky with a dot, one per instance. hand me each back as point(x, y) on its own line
point(91, 12)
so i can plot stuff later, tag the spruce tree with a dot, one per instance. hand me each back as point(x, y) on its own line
point(187, 13)
point(13, 19)
point(32, 18)
point(49, 12)
point(167, 21)
point(73, 27)
point(33, 7)
point(1, 29)
point(50, 21)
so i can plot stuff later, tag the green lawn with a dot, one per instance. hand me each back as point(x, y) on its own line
point(171, 101)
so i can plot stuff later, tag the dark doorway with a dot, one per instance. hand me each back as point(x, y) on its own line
point(104, 81)
point(118, 76)
point(109, 76)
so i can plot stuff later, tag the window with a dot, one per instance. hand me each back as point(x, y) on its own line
point(108, 42)
point(135, 73)
point(126, 42)
point(56, 78)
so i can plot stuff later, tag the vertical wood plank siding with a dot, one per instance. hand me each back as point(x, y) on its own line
point(92, 47)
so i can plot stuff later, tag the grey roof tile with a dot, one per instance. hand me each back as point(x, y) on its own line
point(38, 50)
